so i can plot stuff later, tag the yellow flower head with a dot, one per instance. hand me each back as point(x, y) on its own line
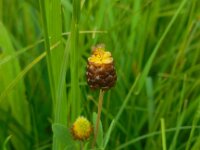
point(100, 56)
point(81, 129)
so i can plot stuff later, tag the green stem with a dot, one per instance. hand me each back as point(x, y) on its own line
point(163, 134)
point(101, 94)
point(81, 145)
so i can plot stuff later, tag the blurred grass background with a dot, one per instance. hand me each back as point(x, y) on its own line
point(157, 65)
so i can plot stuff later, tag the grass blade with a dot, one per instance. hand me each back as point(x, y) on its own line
point(74, 61)
point(163, 134)
point(155, 50)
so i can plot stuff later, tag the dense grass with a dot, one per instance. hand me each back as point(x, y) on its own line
point(44, 46)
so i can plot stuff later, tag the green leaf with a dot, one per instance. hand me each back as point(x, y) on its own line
point(86, 146)
point(67, 5)
point(13, 99)
point(6, 141)
point(70, 147)
point(99, 139)
point(63, 134)
point(107, 136)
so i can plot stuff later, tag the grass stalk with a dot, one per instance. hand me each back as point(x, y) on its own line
point(74, 61)
point(127, 99)
point(150, 60)
point(22, 74)
point(53, 29)
point(194, 123)
point(163, 134)
point(52, 73)
point(47, 48)
point(151, 134)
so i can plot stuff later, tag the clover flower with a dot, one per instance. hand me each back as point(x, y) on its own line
point(81, 129)
point(100, 69)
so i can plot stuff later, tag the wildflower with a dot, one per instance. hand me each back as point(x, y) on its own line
point(100, 69)
point(81, 129)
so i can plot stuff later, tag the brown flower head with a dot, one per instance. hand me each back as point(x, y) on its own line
point(100, 69)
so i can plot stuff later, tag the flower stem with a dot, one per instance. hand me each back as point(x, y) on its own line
point(101, 94)
point(81, 145)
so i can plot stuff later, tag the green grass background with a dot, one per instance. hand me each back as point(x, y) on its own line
point(44, 45)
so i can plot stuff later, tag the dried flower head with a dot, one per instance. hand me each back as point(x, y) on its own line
point(81, 129)
point(100, 69)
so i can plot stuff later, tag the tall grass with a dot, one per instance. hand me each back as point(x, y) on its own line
point(44, 46)
point(74, 61)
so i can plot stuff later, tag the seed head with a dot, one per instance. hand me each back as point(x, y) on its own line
point(81, 129)
point(100, 69)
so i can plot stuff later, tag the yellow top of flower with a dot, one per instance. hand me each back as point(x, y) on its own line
point(100, 56)
point(82, 128)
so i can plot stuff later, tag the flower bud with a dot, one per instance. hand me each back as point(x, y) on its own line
point(81, 129)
